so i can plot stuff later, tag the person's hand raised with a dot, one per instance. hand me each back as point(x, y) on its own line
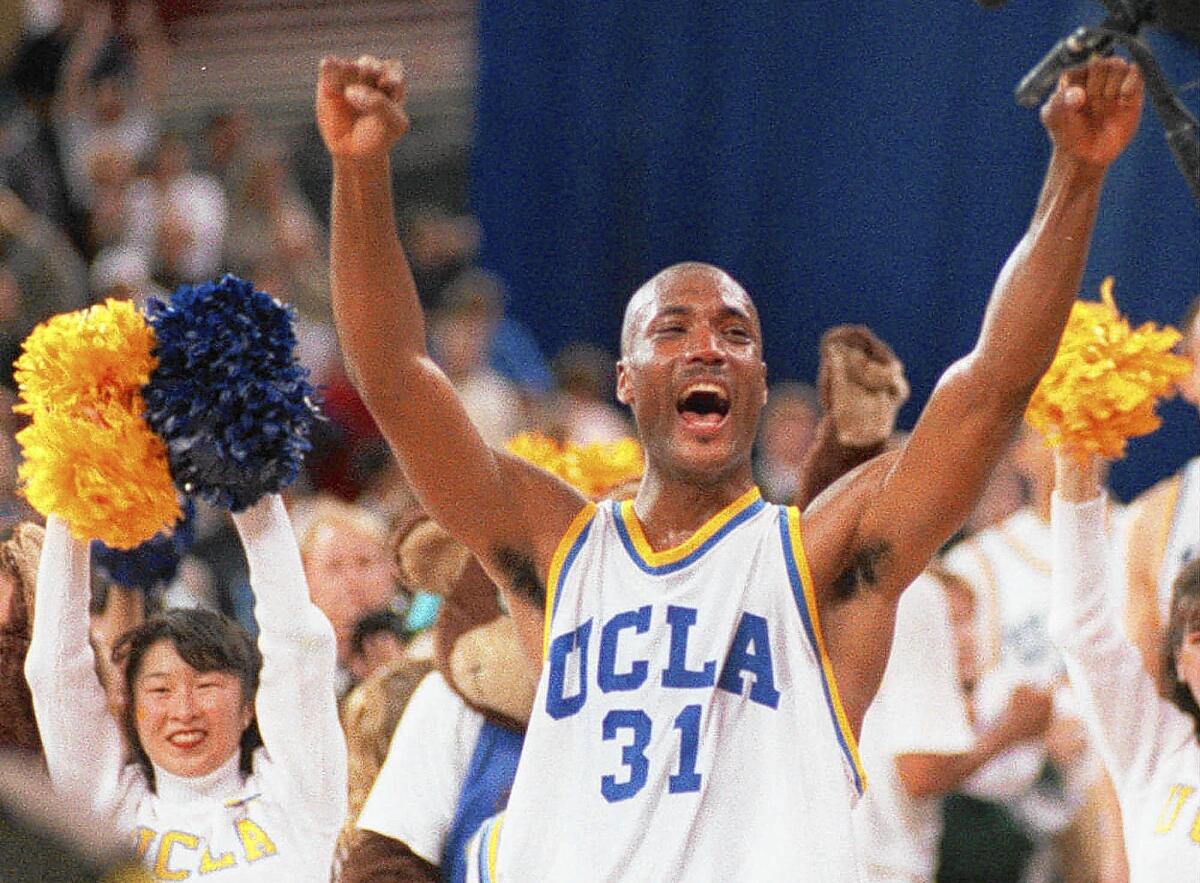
point(1094, 112)
point(360, 106)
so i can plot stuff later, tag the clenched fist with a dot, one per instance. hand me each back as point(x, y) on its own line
point(360, 106)
point(1094, 112)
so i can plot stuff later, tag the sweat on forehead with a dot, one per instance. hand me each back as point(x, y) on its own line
point(676, 276)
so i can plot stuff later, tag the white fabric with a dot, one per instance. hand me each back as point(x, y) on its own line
point(919, 709)
point(1149, 746)
point(774, 793)
point(1008, 567)
point(194, 200)
point(282, 821)
point(416, 792)
point(1183, 541)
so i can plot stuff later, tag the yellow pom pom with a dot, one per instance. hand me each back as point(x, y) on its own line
point(1105, 380)
point(595, 469)
point(88, 455)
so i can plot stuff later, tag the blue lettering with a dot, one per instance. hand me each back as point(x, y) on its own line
point(607, 675)
point(677, 674)
point(751, 633)
point(632, 755)
point(559, 705)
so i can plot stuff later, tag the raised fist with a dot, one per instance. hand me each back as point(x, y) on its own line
point(360, 106)
point(1094, 112)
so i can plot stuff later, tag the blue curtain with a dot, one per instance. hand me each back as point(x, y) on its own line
point(849, 162)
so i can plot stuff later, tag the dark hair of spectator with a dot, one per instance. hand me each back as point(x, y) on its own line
point(206, 641)
point(1185, 617)
point(385, 620)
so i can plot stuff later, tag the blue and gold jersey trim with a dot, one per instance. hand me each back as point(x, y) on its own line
point(710, 533)
point(489, 846)
point(560, 565)
point(806, 603)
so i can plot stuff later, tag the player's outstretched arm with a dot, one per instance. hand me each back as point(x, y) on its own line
point(870, 542)
point(477, 495)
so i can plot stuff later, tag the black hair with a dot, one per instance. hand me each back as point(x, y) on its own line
point(384, 620)
point(1185, 617)
point(206, 641)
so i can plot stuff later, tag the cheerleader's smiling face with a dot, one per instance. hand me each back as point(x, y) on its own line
point(189, 722)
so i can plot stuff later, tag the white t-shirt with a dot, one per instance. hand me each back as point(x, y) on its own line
point(416, 793)
point(1149, 745)
point(919, 709)
point(279, 823)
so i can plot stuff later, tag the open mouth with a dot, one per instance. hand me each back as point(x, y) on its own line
point(703, 405)
point(186, 738)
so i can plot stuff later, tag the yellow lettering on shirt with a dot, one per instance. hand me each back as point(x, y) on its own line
point(208, 864)
point(255, 841)
point(145, 836)
point(162, 869)
point(1170, 811)
point(1196, 829)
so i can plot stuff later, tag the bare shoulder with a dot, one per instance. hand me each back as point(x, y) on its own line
point(548, 505)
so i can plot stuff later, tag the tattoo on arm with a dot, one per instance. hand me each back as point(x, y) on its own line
point(863, 570)
point(521, 573)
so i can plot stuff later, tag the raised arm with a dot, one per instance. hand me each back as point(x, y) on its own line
point(509, 515)
point(82, 743)
point(870, 544)
point(1117, 696)
point(296, 705)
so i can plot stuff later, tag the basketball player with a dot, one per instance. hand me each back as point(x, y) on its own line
point(706, 669)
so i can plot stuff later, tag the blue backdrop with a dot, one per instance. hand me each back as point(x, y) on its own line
point(851, 162)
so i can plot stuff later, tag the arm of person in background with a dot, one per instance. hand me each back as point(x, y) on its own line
point(81, 740)
point(82, 55)
point(1028, 715)
point(59, 273)
point(296, 707)
point(869, 542)
point(862, 388)
point(151, 52)
point(1117, 697)
point(510, 515)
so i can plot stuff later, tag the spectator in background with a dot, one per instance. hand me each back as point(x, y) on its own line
point(786, 433)
point(583, 411)
point(229, 142)
point(40, 274)
point(178, 216)
point(441, 246)
point(461, 333)
point(271, 223)
point(1051, 785)
point(349, 568)
point(122, 271)
point(105, 99)
point(376, 641)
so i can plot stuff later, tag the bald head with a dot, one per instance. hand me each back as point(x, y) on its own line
point(677, 278)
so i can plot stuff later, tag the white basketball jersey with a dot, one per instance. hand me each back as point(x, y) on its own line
point(1183, 540)
point(687, 726)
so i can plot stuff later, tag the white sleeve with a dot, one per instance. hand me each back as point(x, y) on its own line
point(81, 740)
point(296, 706)
point(928, 714)
point(1116, 696)
point(416, 793)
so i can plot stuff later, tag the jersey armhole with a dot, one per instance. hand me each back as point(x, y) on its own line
point(560, 564)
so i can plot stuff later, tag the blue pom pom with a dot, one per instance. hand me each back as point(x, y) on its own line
point(228, 397)
point(154, 562)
